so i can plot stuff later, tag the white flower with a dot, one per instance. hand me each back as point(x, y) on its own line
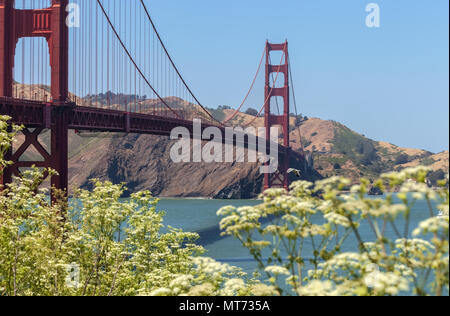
point(432, 225)
point(182, 281)
point(337, 219)
point(277, 270)
point(161, 292)
point(318, 288)
point(386, 283)
point(261, 289)
point(232, 287)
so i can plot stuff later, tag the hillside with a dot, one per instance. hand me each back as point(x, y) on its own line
point(143, 162)
point(353, 155)
point(337, 150)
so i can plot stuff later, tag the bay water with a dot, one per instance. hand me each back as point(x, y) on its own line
point(199, 215)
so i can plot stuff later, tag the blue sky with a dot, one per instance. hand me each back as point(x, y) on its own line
point(389, 83)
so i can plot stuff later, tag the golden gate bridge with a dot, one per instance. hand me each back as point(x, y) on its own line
point(113, 74)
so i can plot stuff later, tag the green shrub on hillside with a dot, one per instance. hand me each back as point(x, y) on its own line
point(401, 159)
point(356, 147)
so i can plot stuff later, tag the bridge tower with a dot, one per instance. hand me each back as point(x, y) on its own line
point(49, 23)
point(280, 178)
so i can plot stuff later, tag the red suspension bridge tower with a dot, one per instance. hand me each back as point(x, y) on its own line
point(280, 178)
point(122, 61)
point(49, 23)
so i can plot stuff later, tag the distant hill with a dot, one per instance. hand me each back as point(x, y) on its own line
point(338, 150)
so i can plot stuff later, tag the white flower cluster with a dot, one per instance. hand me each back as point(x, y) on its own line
point(337, 219)
point(318, 288)
point(211, 266)
point(415, 173)
point(386, 283)
point(233, 287)
point(277, 270)
point(433, 225)
point(419, 190)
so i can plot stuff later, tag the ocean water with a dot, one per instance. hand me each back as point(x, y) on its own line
point(200, 216)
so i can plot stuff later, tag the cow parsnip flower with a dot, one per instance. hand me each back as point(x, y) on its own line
point(318, 288)
point(277, 270)
point(433, 225)
point(337, 219)
point(386, 283)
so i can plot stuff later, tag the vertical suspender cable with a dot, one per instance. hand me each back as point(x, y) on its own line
point(130, 56)
point(31, 60)
point(96, 57)
point(135, 54)
point(90, 55)
point(23, 62)
point(107, 67)
point(114, 73)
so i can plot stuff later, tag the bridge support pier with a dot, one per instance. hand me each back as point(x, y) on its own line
point(49, 23)
point(56, 159)
point(59, 150)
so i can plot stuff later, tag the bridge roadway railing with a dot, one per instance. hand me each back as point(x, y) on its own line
point(38, 114)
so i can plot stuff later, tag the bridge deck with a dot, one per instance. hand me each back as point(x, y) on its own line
point(38, 114)
point(34, 114)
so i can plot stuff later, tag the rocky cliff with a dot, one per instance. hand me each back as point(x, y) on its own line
point(143, 162)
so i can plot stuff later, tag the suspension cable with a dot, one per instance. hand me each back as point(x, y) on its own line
point(173, 64)
point(248, 93)
point(132, 60)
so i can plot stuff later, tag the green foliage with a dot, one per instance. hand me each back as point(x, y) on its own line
point(298, 119)
point(354, 146)
point(319, 213)
point(218, 114)
point(252, 112)
point(7, 134)
point(427, 161)
point(306, 142)
point(101, 245)
point(401, 159)
point(435, 176)
point(116, 247)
